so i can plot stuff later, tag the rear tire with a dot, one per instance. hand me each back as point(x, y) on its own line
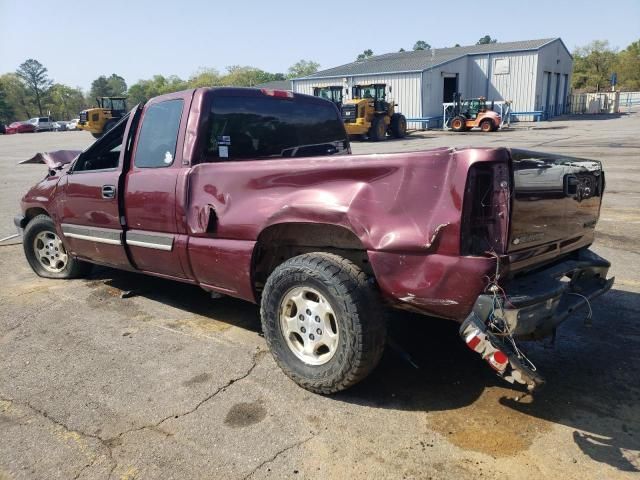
point(398, 125)
point(46, 254)
point(322, 321)
point(378, 129)
point(459, 124)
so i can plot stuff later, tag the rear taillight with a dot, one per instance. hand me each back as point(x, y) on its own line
point(485, 217)
point(277, 93)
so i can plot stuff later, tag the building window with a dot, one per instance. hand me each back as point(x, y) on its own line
point(501, 66)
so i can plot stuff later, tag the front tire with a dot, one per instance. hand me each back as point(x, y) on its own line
point(459, 124)
point(46, 254)
point(322, 321)
point(378, 129)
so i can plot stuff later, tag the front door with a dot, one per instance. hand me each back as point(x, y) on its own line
point(449, 88)
point(150, 187)
point(88, 208)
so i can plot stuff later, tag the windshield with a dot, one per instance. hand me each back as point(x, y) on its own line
point(376, 92)
point(333, 94)
point(119, 104)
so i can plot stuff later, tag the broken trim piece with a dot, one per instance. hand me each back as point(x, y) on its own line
point(498, 354)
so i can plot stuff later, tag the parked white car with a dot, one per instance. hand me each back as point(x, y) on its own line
point(73, 124)
point(60, 126)
point(42, 124)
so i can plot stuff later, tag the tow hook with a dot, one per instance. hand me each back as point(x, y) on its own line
point(498, 354)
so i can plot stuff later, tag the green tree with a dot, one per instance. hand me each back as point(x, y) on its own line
point(143, 90)
point(486, 40)
point(245, 76)
point(117, 85)
point(302, 68)
point(17, 96)
point(99, 88)
point(103, 86)
point(456, 45)
point(205, 77)
point(35, 77)
point(65, 102)
point(628, 67)
point(593, 65)
point(401, 50)
point(366, 54)
point(6, 109)
point(421, 45)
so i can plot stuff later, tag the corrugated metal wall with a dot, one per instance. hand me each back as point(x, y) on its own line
point(405, 87)
point(433, 85)
point(514, 80)
point(507, 77)
point(553, 59)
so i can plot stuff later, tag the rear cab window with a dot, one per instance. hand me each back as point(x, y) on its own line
point(253, 125)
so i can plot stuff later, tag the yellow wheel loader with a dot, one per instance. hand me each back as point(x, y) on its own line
point(369, 114)
point(102, 118)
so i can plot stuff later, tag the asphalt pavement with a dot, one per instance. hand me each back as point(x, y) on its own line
point(169, 383)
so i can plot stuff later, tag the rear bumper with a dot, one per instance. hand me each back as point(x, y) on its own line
point(537, 303)
point(534, 306)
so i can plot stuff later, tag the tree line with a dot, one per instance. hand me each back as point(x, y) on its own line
point(30, 92)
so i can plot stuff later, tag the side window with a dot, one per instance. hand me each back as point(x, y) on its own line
point(104, 154)
point(159, 134)
point(44, 119)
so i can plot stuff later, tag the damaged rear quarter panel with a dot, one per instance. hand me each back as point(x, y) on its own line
point(405, 209)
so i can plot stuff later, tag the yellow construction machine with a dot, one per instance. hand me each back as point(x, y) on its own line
point(102, 118)
point(368, 113)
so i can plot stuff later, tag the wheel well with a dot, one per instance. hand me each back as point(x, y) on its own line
point(281, 242)
point(34, 212)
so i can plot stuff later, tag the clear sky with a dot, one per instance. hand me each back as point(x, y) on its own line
point(81, 40)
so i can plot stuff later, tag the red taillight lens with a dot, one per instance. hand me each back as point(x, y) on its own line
point(277, 93)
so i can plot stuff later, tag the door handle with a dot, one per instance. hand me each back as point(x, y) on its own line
point(108, 191)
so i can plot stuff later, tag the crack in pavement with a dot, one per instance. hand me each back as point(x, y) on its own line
point(109, 443)
point(254, 363)
point(280, 452)
point(67, 429)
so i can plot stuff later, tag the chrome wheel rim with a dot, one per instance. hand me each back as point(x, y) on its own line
point(50, 252)
point(309, 325)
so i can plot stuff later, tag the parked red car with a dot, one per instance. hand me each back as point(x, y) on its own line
point(21, 127)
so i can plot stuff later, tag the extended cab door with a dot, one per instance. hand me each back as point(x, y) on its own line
point(150, 187)
point(88, 203)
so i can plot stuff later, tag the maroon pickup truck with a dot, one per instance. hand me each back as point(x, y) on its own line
point(252, 193)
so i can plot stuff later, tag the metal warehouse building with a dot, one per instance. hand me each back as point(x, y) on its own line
point(533, 74)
